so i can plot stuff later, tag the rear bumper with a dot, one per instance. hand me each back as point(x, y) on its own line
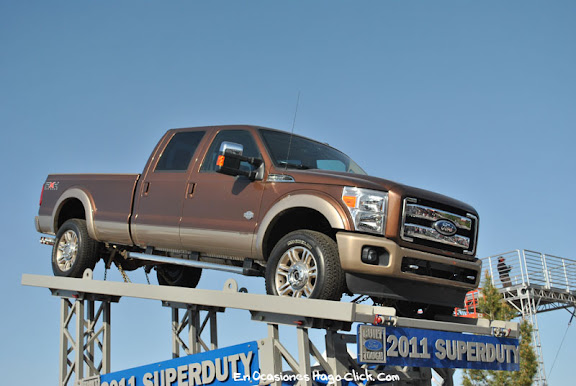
point(37, 223)
point(44, 224)
point(406, 274)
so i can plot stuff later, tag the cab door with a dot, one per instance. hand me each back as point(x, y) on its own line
point(158, 205)
point(221, 215)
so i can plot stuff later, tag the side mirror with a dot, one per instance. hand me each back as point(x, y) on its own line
point(230, 159)
point(231, 147)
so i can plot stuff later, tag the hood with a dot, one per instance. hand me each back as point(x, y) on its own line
point(327, 177)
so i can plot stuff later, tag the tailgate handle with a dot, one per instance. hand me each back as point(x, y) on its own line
point(190, 189)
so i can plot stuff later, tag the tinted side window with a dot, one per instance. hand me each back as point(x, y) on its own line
point(179, 151)
point(242, 137)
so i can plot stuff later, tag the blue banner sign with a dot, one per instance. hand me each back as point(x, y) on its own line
point(397, 346)
point(225, 366)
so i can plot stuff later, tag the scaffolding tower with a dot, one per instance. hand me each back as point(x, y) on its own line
point(533, 282)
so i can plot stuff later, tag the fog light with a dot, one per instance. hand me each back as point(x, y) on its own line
point(369, 255)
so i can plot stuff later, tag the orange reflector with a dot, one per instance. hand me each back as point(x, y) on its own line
point(220, 161)
point(350, 201)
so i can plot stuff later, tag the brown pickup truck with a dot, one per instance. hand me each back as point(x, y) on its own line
point(263, 202)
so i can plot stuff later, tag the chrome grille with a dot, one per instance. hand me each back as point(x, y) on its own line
point(426, 224)
point(431, 214)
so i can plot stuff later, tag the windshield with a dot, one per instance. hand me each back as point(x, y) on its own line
point(306, 154)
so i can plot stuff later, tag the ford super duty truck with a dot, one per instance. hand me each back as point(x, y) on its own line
point(263, 202)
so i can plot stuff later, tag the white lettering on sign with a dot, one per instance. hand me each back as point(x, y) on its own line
point(372, 356)
point(193, 374)
point(372, 333)
point(407, 348)
point(476, 351)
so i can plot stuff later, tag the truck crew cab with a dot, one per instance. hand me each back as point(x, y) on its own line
point(265, 202)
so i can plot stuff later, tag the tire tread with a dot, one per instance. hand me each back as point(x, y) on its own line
point(333, 284)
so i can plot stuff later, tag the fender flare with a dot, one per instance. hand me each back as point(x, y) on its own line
point(89, 208)
point(324, 205)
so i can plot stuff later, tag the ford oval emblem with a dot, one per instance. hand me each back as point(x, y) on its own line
point(373, 345)
point(445, 227)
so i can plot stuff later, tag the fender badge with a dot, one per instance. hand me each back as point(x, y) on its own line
point(51, 185)
point(249, 215)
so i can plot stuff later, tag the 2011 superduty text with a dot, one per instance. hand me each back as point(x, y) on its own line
point(429, 348)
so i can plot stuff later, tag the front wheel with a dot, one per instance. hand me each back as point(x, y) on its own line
point(74, 250)
point(305, 263)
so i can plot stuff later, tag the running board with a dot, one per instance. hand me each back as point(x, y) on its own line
point(248, 269)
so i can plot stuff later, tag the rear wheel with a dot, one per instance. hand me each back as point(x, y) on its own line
point(178, 276)
point(74, 250)
point(305, 264)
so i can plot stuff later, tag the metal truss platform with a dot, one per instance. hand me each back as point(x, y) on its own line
point(85, 340)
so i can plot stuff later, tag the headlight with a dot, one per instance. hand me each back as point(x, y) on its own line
point(367, 208)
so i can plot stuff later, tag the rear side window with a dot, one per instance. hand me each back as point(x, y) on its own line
point(177, 155)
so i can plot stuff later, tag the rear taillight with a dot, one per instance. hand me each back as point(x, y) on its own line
point(41, 195)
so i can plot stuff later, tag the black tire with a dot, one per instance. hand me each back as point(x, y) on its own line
point(305, 263)
point(74, 250)
point(178, 276)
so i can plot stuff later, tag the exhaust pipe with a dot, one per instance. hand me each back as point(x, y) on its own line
point(248, 269)
point(47, 240)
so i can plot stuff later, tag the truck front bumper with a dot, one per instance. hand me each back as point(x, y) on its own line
point(404, 274)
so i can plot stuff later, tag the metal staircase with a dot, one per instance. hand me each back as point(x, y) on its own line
point(533, 282)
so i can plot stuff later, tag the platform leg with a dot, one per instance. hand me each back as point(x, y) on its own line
point(106, 338)
point(213, 329)
point(65, 307)
point(175, 333)
point(90, 337)
point(194, 331)
point(336, 353)
point(276, 357)
point(79, 346)
point(304, 353)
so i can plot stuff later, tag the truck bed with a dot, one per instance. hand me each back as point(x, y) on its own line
point(107, 199)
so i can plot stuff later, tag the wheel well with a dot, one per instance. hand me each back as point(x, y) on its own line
point(291, 220)
point(71, 208)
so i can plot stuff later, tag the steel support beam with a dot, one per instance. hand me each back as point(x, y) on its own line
point(282, 310)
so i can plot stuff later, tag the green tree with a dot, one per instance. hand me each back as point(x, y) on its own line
point(492, 305)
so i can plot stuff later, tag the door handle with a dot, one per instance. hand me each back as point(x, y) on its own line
point(146, 188)
point(190, 189)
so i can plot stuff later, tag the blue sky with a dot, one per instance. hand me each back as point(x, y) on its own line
point(472, 99)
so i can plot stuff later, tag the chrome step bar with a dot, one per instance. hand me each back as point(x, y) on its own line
point(247, 270)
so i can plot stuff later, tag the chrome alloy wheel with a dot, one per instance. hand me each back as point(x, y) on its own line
point(67, 250)
point(296, 273)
